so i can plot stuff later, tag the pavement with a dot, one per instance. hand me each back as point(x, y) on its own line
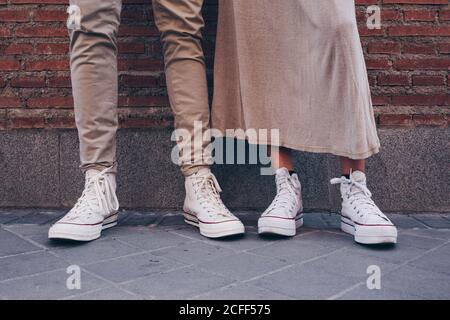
point(154, 255)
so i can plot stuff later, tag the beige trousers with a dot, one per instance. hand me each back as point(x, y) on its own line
point(93, 27)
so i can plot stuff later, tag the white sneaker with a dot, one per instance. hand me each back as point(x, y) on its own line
point(285, 215)
point(96, 209)
point(360, 216)
point(204, 209)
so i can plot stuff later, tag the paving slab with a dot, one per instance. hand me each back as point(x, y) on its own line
point(103, 249)
point(293, 251)
point(180, 284)
point(110, 293)
point(425, 283)
point(406, 221)
point(363, 293)
point(242, 291)
point(10, 216)
point(437, 260)
point(243, 266)
point(196, 253)
point(131, 267)
point(146, 239)
point(429, 233)
point(50, 285)
point(398, 253)
point(304, 282)
point(419, 242)
point(152, 254)
point(10, 244)
point(28, 264)
point(350, 264)
point(139, 219)
point(37, 234)
point(434, 221)
point(334, 239)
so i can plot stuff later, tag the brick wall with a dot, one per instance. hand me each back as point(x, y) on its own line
point(408, 62)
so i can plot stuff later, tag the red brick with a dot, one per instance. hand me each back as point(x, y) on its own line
point(444, 47)
point(141, 65)
point(61, 119)
point(28, 82)
point(50, 102)
point(9, 102)
point(380, 100)
point(393, 80)
point(19, 48)
point(422, 64)
point(375, 64)
point(419, 48)
point(9, 65)
point(26, 119)
point(415, 1)
point(428, 80)
point(5, 32)
point(14, 16)
point(42, 65)
point(39, 1)
point(144, 101)
point(138, 31)
point(407, 60)
point(402, 120)
point(50, 15)
point(384, 47)
point(52, 48)
point(132, 15)
point(420, 100)
point(132, 47)
point(413, 30)
point(444, 15)
point(434, 120)
point(59, 82)
point(420, 15)
point(41, 32)
point(3, 123)
point(138, 81)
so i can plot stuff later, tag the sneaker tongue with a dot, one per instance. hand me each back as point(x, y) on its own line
point(282, 172)
point(281, 176)
point(91, 172)
point(203, 172)
point(359, 176)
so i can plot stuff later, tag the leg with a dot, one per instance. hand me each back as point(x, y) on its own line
point(93, 28)
point(281, 158)
point(180, 23)
point(285, 214)
point(350, 165)
point(360, 216)
point(93, 62)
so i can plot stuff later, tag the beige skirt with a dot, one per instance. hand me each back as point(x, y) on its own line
point(296, 66)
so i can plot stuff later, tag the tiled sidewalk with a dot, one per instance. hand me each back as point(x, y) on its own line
point(153, 255)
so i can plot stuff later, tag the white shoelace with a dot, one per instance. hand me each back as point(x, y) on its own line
point(98, 197)
point(359, 194)
point(285, 193)
point(207, 190)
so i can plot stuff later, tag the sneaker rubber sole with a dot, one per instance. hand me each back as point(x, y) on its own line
point(369, 234)
point(280, 226)
point(215, 230)
point(79, 232)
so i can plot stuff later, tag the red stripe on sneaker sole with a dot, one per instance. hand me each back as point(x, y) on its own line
point(364, 225)
point(197, 219)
